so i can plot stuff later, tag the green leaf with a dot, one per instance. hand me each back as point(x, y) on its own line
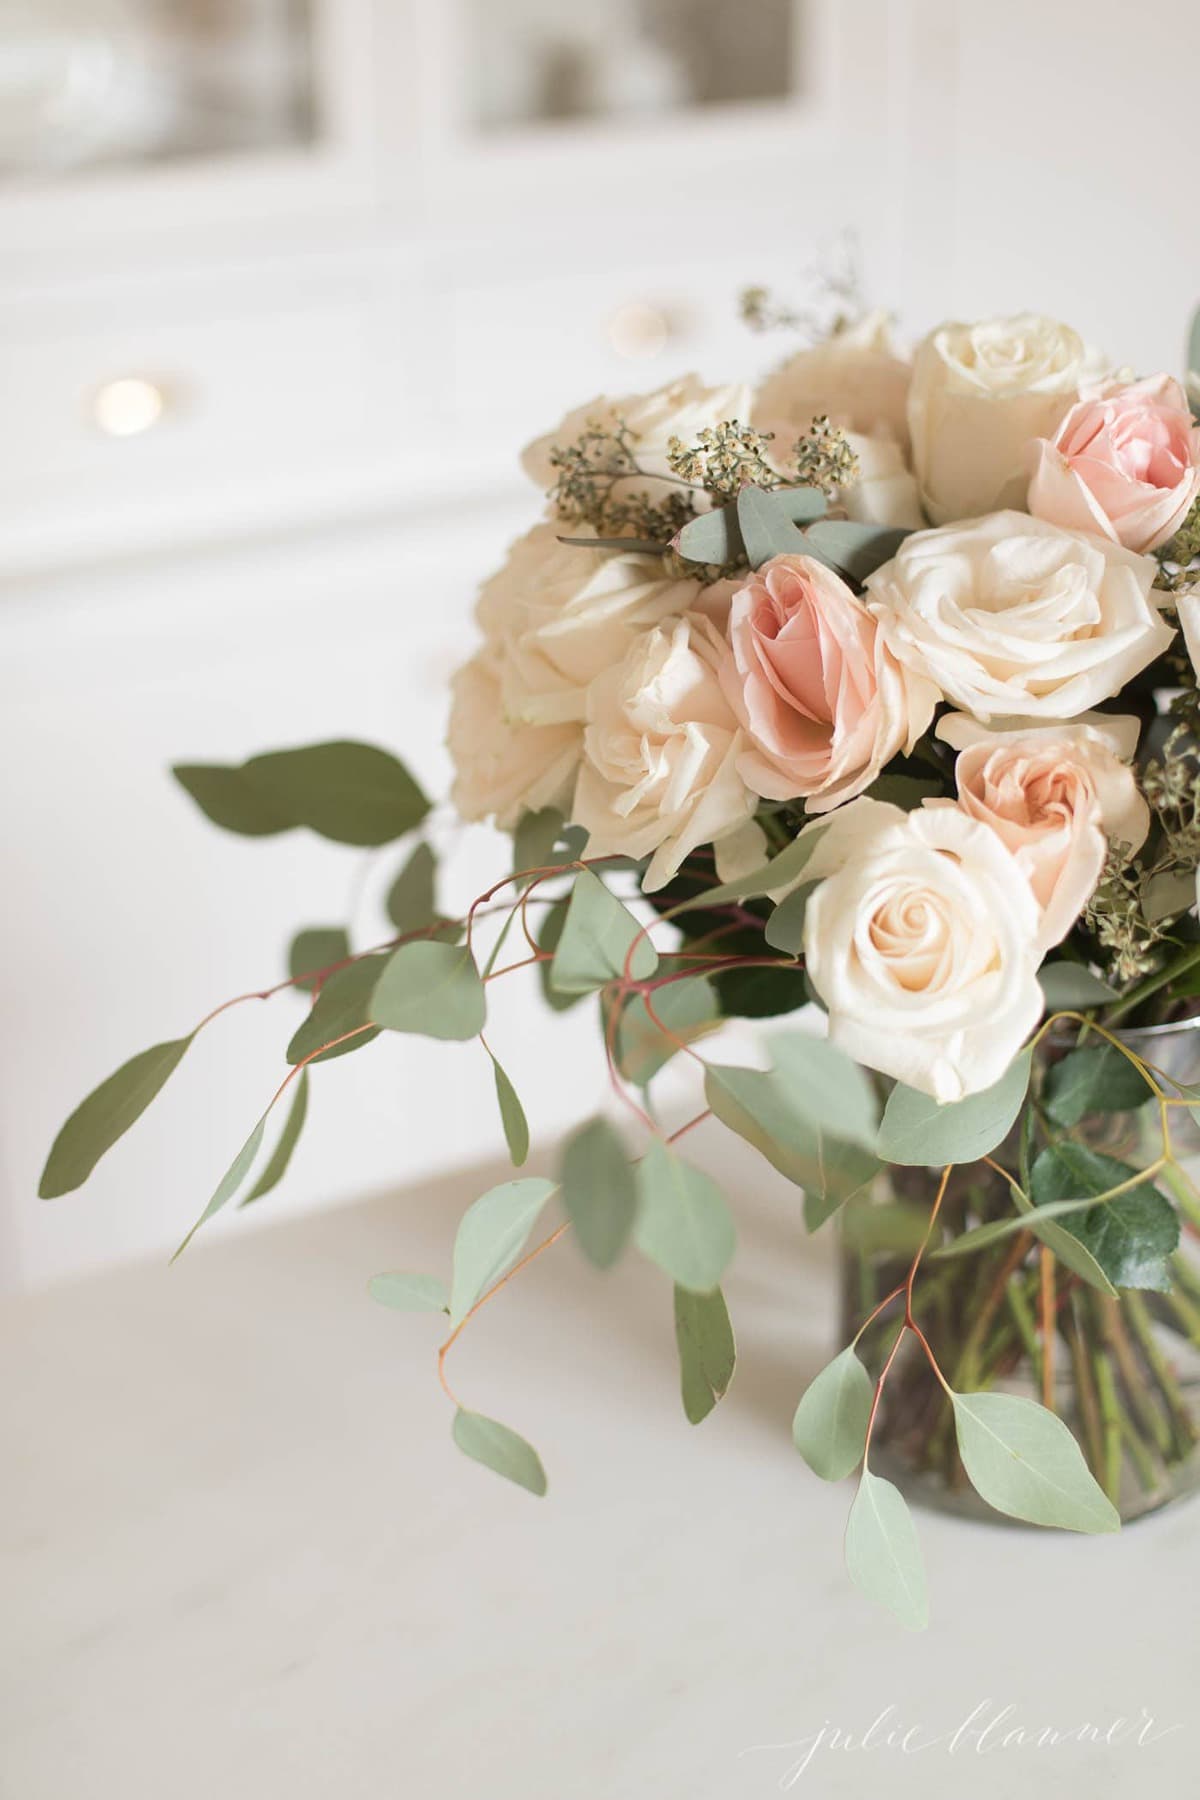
point(512, 1115)
point(1069, 1250)
point(229, 1183)
point(1024, 1462)
point(827, 1087)
point(596, 938)
point(853, 549)
point(916, 1132)
point(783, 871)
point(684, 1223)
point(760, 1109)
point(707, 1352)
point(716, 537)
point(686, 1008)
point(1132, 1235)
point(488, 1442)
point(883, 1557)
point(281, 1156)
point(225, 795)
point(830, 1426)
point(341, 1006)
point(106, 1115)
point(784, 929)
point(491, 1235)
point(712, 538)
point(908, 792)
point(411, 902)
point(766, 529)
point(1167, 894)
point(348, 792)
point(599, 1191)
point(1096, 1079)
point(406, 1291)
point(548, 938)
point(1070, 987)
point(315, 948)
point(430, 989)
point(630, 546)
point(543, 840)
point(871, 1226)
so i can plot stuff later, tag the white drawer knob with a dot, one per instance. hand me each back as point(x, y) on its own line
point(128, 405)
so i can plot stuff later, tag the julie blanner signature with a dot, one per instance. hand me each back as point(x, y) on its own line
point(989, 1729)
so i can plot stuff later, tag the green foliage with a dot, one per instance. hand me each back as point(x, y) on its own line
point(488, 1442)
point(106, 1115)
point(544, 840)
point(548, 938)
point(491, 1235)
point(281, 1156)
point(853, 550)
point(783, 871)
point(715, 538)
point(1070, 987)
point(687, 1010)
point(883, 1557)
point(411, 902)
point(599, 1191)
point(341, 1006)
point(828, 1087)
point(785, 927)
point(406, 1291)
point(230, 1182)
point(348, 792)
point(596, 937)
point(1131, 1236)
point(917, 1132)
point(432, 990)
point(1095, 1079)
point(512, 1115)
point(313, 949)
point(1023, 1461)
point(830, 1426)
point(707, 1352)
point(684, 1223)
point(771, 1115)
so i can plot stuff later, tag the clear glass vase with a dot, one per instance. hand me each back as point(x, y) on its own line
point(1123, 1373)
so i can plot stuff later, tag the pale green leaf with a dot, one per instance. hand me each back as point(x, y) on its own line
point(783, 871)
point(599, 1191)
point(1132, 1236)
point(230, 1182)
point(406, 1291)
point(687, 1010)
point(314, 949)
point(766, 529)
point(684, 1223)
point(106, 1115)
point(488, 1442)
point(543, 840)
point(1097, 1078)
point(855, 549)
point(1069, 987)
point(512, 1115)
point(432, 990)
point(830, 1426)
point(784, 930)
point(759, 1108)
point(348, 792)
point(596, 938)
point(1023, 1461)
point(883, 1557)
point(491, 1235)
point(707, 1352)
point(340, 1007)
point(917, 1132)
point(411, 902)
point(230, 799)
point(827, 1086)
point(281, 1156)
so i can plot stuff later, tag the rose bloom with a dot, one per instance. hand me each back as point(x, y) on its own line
point(823, 702)
point(979, 394)
point(561, 613)
point(1012, 617)
point(661, 749)
point(501, 767)
point(921, 940)
point(1125, 464)
point(1056, 795)
point(682, 409)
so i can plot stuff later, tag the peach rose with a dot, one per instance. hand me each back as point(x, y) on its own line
point(822, 702)
point(1124, 463)
point(1056, 795)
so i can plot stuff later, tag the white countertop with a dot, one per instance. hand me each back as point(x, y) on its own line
point(241, 1557)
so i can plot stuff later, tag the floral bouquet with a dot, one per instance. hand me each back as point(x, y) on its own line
point(868, 696)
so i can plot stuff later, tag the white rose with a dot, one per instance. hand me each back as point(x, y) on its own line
point(682, 409)
point(920, 939)
point(562, 613)
point(855, 379)
point(660, 752)
point(980, 394)
point(1015, 618)
point(1056, 795)
point(501, 767)
point(884, 492)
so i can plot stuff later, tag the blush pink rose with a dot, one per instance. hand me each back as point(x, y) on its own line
point(1056, 795)
point(1124, 463)
point(823, 703)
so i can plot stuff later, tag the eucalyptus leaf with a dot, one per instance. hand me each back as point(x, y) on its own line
point(1131, 1236)
point(760, 1109)
point(599, 1191)
point(340, 1007)
point(1023, 1461)
point(281, 1156)
point(534, 839)
point(406, 1291)
point(707, 1352)
point(229, 1183)
point(597, 934)
point(491, 1235)
point(411, 902)
point(908, 792)
point(830, 1426)
point(784, 929)
point(856, 550)
point(488, 1442)
point(230, 799)
point(548, 938)
point(827, 1087)
point(684, 1223)
point(1167, 894)
point(883, 1557)
point(783, 871)
point(766, 528)
point(512, 1115)
point(1070, 987)
point(106, 1115)
point(1094, 1079)
point(1073, 1254)
point(712, 538)
point(686, 1008)
point(430, 989)
point(348, 792)
point(313, 949)
point(628, 546)
point(917, 1132)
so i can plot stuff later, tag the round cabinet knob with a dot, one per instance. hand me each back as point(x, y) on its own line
point(639, 330)
point(128, 405)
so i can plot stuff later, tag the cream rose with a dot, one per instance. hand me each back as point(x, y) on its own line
point(561, 613)
point(979, 395)
point(822, 701)
point(502, 767)
point(681, 409)
point(854, 378)
point(921, 940)
point(1012, 617)
point(1056, 795)
point(659, 775)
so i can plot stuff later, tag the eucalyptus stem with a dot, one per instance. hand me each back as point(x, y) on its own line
point(1182, 1424)
point(1110, 1417)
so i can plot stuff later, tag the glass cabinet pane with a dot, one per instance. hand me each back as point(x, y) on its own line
point(88, 83)
point(540, 60)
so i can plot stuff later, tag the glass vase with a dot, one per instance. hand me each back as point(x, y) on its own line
point(1122, 1372)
